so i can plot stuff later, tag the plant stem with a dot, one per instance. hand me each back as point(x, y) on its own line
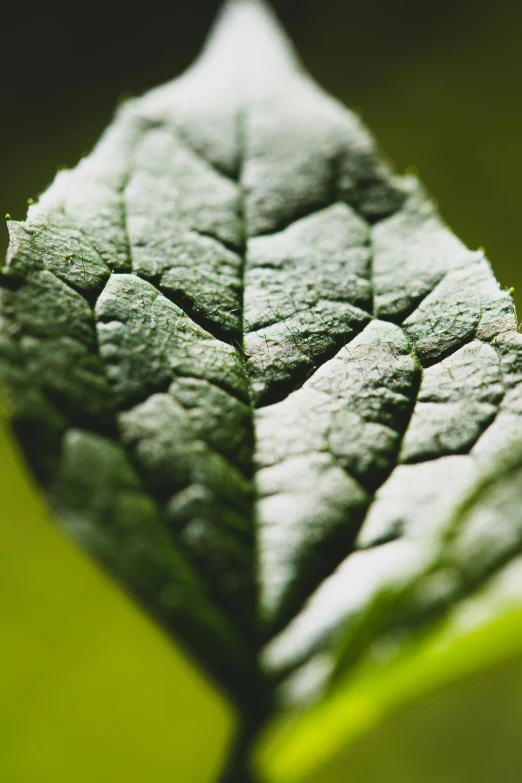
point(239, 765)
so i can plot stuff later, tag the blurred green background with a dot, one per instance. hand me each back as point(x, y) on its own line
point(89, 690)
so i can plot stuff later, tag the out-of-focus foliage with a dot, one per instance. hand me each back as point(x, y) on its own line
point(89, 689)
point(447, 708)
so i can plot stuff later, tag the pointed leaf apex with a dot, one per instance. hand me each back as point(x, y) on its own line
point(249, 37)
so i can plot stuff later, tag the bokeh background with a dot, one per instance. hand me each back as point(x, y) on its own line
point(438, 82)
point(89, 690)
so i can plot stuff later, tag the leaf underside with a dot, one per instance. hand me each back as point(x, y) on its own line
point(254, 372)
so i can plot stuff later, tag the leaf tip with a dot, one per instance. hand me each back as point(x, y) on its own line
point(249, 30)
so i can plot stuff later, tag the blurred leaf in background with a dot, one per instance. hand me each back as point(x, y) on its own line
point(89, 689)
point(446, 707)
point(438, 84)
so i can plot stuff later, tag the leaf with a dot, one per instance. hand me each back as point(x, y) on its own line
point(439, 701)
point(90, 689)
point(258, 378)
point(428, 715)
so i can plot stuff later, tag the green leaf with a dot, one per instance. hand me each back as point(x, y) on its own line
point(259, 379)
point(437, 702)
point(447, 708)
point(89, 689)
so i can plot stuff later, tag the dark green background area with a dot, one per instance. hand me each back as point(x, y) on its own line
point(437, 82)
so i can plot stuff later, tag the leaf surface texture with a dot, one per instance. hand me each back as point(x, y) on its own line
point(252, 369)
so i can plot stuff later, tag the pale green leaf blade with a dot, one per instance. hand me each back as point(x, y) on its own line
point(447, 708)
point(441, 702)
point(89, 689)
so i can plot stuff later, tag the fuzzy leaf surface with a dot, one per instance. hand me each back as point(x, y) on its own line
point(256, 375)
